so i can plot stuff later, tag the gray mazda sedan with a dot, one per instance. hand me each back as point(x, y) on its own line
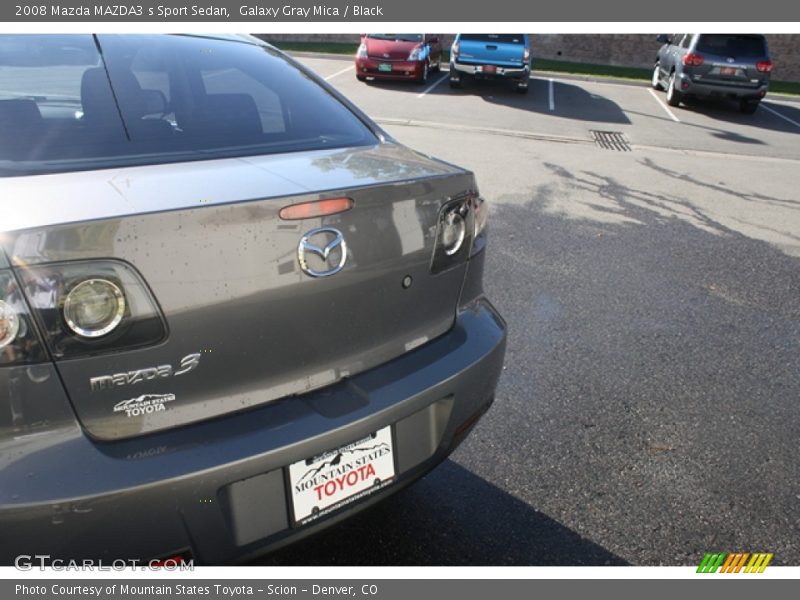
point(233, 310)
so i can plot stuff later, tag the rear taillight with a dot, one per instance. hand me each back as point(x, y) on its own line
point(9, 324)
point(19, 342)
point(764, 66)
point(692, 60)
point(453, 231)
point(526, 56)
point(480, 211)
point(454, 50)
point(461, 222)
point(91, 307)
point(94, 308)
point(481, 214)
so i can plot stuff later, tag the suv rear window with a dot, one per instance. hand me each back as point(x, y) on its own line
point(740, 46)
point(74, 102)
point(501, 38)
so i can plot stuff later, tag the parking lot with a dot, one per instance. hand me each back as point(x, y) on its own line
point(648, 408)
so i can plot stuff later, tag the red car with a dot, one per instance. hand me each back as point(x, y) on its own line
point(398, 56)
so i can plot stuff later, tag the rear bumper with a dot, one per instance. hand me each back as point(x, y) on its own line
point(457, 69)
point(367, 67)
point(219, 488)
point(688, 85)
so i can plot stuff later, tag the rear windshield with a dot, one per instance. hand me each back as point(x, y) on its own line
point(502, 38)
point(740, 46)
point(74, 102)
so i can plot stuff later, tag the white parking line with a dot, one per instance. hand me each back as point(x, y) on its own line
point(777, 114)
point(664, 106)
point(777, 100)
point(550, 98)
point(433, 85)
point(329, 77)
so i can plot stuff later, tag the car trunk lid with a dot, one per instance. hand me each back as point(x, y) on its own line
point(207, 239)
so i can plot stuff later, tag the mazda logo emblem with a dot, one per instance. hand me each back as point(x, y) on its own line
point(328, 245)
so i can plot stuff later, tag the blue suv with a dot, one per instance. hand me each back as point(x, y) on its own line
point(491, 56)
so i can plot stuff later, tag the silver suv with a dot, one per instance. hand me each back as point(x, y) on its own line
point(724, 65)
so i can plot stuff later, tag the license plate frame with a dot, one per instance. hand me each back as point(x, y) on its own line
point(324, 483)
point(384, 68)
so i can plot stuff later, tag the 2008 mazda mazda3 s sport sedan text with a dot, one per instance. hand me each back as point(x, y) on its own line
point(233, 310)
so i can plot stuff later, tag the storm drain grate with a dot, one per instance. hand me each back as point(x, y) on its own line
point(611, 140)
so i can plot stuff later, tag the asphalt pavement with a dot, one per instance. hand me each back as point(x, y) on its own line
point(647, 413)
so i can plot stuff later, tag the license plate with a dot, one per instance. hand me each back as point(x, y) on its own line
point(491, 69)
point(729, 71)
point(324, 483)
point(384, 67)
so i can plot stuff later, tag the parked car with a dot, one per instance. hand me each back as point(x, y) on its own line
point(233, 309)
point(735, 66)
point(398, 56)
point(491, 56)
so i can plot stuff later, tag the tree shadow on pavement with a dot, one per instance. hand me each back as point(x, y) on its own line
point(652, 367)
